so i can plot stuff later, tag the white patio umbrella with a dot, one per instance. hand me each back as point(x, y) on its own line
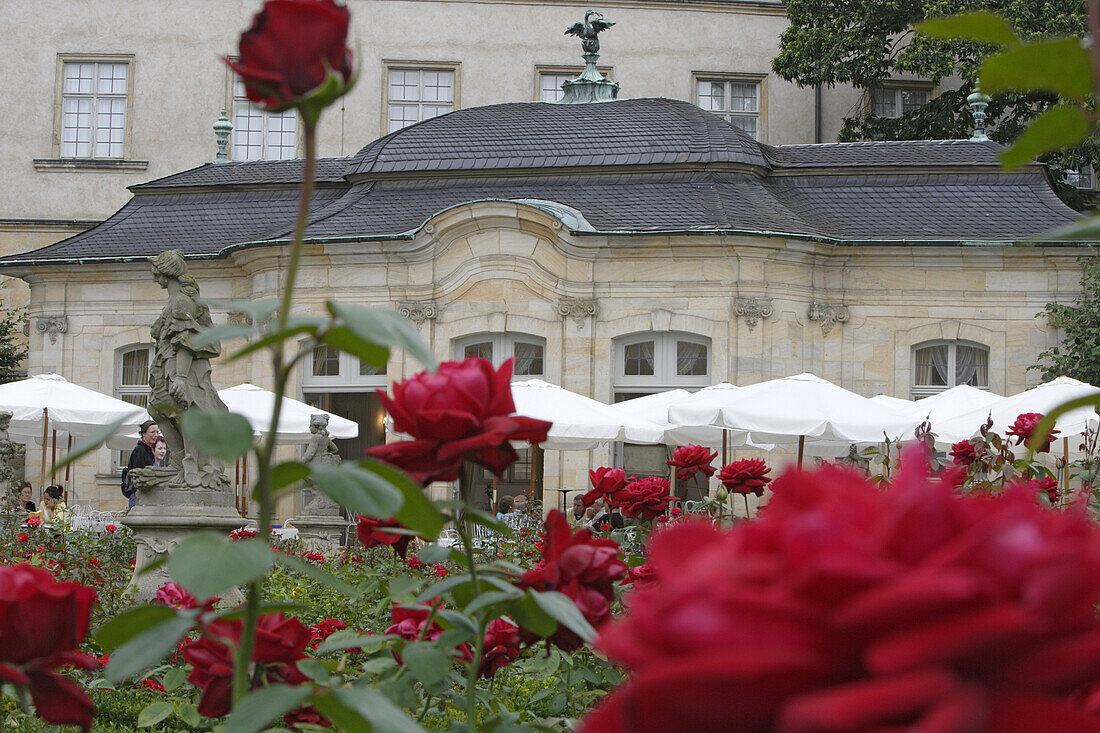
point(256, 404)
point(654, 408)
point(48, 402)
point(1041, 399)
point(799, 408)
point(579, 422)
point(942, 406)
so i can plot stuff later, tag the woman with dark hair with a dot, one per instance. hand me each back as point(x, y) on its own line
point(504, 506)
point(140, 457)
point(160, 451)
point(54, 510)
point(26, 494)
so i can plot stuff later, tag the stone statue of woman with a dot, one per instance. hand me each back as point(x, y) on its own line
point(179, 374)
point(7, 454)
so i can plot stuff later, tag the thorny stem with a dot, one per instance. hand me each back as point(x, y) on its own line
point(266, 450)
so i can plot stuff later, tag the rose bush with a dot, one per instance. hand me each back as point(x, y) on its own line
point(1024, 427)
point(747, 476)
point(645, 499)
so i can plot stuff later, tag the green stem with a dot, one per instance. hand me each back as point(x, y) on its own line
point(466, 532)
point(266, 451)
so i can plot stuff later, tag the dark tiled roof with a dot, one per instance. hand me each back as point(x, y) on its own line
point(881, 154)
point(249, 173)
point(545, 135)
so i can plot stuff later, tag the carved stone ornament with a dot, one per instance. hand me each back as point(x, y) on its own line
point(753, 309)
point(52, 326)
point(417, 311)
point(239, 319)
point(578, 309)
point(828, 314)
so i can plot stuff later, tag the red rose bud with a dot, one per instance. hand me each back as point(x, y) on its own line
point(415, 562)
point(372, 532)
point(963, 453)
point(747, 476)
point(1025, 425)
point(42, 621)
point(464, 411)
point(23, 537)
point(110, 528)
point(846, 605)
point(645, 498)
point(501, 646)
point(296, 54)
point(440, 571)
point(691, 459)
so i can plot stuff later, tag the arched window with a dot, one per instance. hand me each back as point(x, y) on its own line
point(529, 351)
point(654, 362)
point(132, 374)
point(940, 365)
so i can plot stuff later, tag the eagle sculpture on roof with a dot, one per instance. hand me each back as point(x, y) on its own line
point(589, 30)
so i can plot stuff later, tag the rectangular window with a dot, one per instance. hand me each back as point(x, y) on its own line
point(326, 361)
point(550, 86)
point(1080, 177)
point(638, 359)
point(259, 135)
point(94, 99)
point(896, 101)
point(735, 101)
point(414, 95)
point(691, 359)
point(529, 358)
point(483, 350)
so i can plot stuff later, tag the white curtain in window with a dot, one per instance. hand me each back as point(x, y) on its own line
point(528, 360)
point(639, 358)
point(971, 366)
point(932, 366)
point(687, 354)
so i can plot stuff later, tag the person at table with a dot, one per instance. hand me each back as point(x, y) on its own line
point(54, 511)
point(605, 516)
point(160, 451)
point(141, 456)
point(504, 507)
point(26, 496)
point(577, 516)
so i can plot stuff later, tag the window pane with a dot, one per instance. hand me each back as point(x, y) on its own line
point(135, 368)
point(483, 350)
point(326, 361)
point(438, 86)
point(135, 399)
point(971, 366)
point(529, 360)
point(745, 124)
point(248, 130)
point(78, 78)
point(884, 103)
point(110, 124)
point(931, 366)
point(76, 128)
point(550, 86)
point(912, 99)
point(366, 370)
point(691, 359)
point(402, 115)
point(638, 359)
point(743, 97)
point(712, 95)
point(112, 79)
point(282, 129)
point(404, 85)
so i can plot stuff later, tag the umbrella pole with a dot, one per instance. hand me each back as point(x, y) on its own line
point(1065, 465)
point(724, 435)
point(68, 449)
point(801, 448)
point(53, 452)
point(45, 432)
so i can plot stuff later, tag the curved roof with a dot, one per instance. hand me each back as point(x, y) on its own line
point(547, 135)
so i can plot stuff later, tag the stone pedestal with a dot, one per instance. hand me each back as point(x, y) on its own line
point(163, 517)
point(321, 533)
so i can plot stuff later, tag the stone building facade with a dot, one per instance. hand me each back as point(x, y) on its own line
point(615, 249)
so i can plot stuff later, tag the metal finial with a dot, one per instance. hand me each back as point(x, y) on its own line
point(978, 102)
point(590, 86)
point(222, 128)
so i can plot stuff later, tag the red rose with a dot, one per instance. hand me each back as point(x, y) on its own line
point(290, 50)
point(607, 484)
point(1035, 486)
point(1025, 425)
point(280, 642)
point(323, 630)
point(33, 521)
point(372, 532)
point(307, 714)
point(747, 476)
point(581, 567)
point(464, 411)
point(110, 528)
point(23, 537)
point(153, 685)
point(605, 526)
point(440, 571)
point(409, 624)
point(963, 453)
point(41, 623)
point(242, 534)
point(844, 606)
point(641, 576)
point(501, 646)
point(691, 459)
point(645, 498)
point(415, 562)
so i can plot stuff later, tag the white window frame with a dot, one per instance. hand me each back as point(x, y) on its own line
point(503, 348)
point(119, 458)
point(347, 380)
point(571, 72)
point(897, 90)
point(1083, 178)
point(421, 67)
point(238, 104)
point(664, 375)
point(726, 79)
point(918, 391)
point(61, 95)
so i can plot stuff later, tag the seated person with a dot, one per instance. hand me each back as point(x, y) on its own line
point(504, 507)
point(54, 510)
point(26, 494)
point(577, 516)
point(604, 516)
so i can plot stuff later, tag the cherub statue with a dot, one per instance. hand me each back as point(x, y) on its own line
point(320, 448)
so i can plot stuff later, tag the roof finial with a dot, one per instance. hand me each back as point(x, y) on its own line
point(590, 86)
point(222, 128)
point(978, 102)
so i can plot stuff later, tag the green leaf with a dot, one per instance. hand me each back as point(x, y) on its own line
point(490, 598)
point(361, 491)
point(287, 473)
point(426, 662)
point(312, 571)
point(351, 708)
point(296, 325)
point(274, 606)
point(189, 714)
point(1042, 430)
point(433, 554)
point(561, 608)
point(441, 587)
point(206, 563)
point(173, 679)
point(89, 444)
point(224, 435)
point(131, 622)
point(147, 648)
point(530, 615)
point(417, 512)
point(384, 328)
point(344, 339)
point(1087, 227)
point(982, 26)
point(224, 332)
point(154, 713)
point(401, 588)
point(338, 642)
point(1059, 65)
point(262, 706)
point(314, 670)
point(1056, 128)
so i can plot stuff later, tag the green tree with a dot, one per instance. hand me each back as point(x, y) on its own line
point(867, 42)
point(13, 349)
point(1078, 355)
